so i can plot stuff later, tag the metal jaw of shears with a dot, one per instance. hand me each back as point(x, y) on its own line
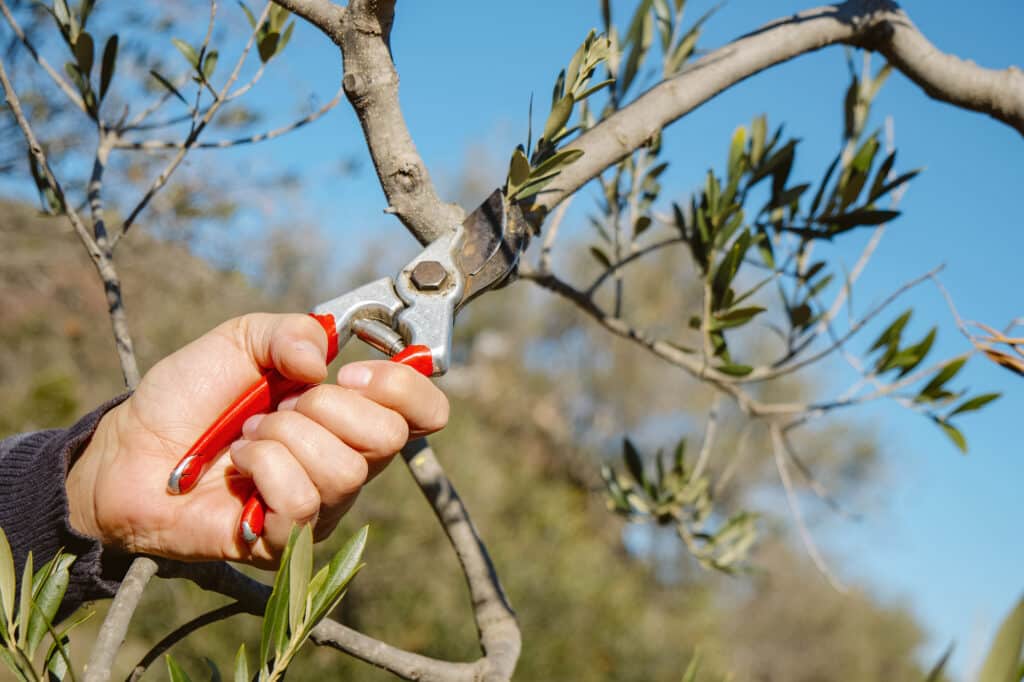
point(410, 318)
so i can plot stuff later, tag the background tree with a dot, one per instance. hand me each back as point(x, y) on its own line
point(749, 229)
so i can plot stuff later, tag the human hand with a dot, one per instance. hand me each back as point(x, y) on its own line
point(308, 459)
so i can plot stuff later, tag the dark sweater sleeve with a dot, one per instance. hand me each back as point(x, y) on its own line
point(34, 507)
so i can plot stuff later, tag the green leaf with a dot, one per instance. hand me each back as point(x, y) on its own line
point(912, 356)
point(343, 567)
point(248, 14)
point(558, 117)
point(862, 216)
point(210, 64)
point(891, 335)
point(634, 462)
point(175, 671)
point(893, 184)
point(275, 617)
point(167, 84)
point(816, 202)
point(187, 51)
point(758, 131)
point(109, 64)
point(975, 403)
point(600, 256)
point(691, 670)
point(518, 170)
point(7, 581)
point(241, 664)
point(580, 96)
point(641, 225)
point(25, 601)
point(286, 37)
point(735, 370)
point(737, 316)
point(555, 162)
point(880, 175)
point(1003, 659)
point(736, 147)
point(61, 13)
point(85, 51)
point(47, 598)
point(267, 46)
point(953, 433)
point(299, 572)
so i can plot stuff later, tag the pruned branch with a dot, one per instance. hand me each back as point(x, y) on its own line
point(877, 25)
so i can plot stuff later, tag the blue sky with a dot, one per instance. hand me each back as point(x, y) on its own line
point(943, 532)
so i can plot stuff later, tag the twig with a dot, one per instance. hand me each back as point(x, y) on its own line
point(149, 145)
point(544, 264)
point(818, 488)
point(778, 448)
point(180, 633)
point(193, 135)
point(64, 86)
point(710, 431)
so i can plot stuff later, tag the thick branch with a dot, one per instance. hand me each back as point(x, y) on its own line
point(877, 25)
point(363, 32)
point(115, 625)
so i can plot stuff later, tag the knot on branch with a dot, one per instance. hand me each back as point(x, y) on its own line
point(408, 176)
point(355, 86)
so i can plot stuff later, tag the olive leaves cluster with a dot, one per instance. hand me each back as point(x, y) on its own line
point(300, 600)
point(675, 495)
point(28, 613)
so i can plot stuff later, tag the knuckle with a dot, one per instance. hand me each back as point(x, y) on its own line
point(398, 380)
point(305, 506)
point(316, 400)
point(439, 416)
point(348, 476)
point(393, 433)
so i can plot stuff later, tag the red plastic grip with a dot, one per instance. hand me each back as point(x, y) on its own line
point(253, 513)
point(262, 396)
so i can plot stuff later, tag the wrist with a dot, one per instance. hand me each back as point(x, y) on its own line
point(81, 481)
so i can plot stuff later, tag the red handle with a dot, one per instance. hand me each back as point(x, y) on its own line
point(254, 512)
point(263, 396)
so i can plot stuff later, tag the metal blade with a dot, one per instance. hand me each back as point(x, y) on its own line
point(496, 234)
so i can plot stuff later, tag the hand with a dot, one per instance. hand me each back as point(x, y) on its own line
point(308, 459)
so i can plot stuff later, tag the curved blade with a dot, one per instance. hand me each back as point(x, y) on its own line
point(496, 234)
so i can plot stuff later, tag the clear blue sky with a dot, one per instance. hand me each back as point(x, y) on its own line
point(944, 533)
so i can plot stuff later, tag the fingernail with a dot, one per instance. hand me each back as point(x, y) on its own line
point(309, 347)
point(238, 445)
point(251, 423)
point(354, 376)
point(288, 403)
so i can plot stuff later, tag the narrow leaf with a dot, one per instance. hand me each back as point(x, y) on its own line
point(975, 403)
point(85, 53)
point(735, 370)
point(954, 434)
point(634, 463)
point(298, 574)
point(7, 580)
point(935, 675)
point(47, 598)
point(175, 671)
point(167, 84)
point(187, 51)
point(600, 256)
point(558, 117)
point(25, 601)
point(109, 64)
point(241, 664)
point(343, 567)
point(1003, 659)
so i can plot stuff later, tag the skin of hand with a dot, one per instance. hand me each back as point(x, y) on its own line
point(308, 459)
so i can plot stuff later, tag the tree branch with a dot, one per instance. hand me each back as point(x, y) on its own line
point(363, 32)
point(877, 25)
point(218, 614)
point(115, 625)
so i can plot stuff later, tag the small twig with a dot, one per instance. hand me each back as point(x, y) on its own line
point(552, 233)
point(778, 448)
point(180, 633)
point(193, 135)
point(149, 145)
point(626, 260)
point(816, 486)
point(710, 431)
point(64, 86)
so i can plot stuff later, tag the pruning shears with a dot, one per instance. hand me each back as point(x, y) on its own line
point(409, 317)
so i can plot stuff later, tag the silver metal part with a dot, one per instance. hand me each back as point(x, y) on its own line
point(429, 316)
point(379, 335)
point(428, 275)
point(374, 301)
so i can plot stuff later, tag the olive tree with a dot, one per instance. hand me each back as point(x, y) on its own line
point(762, 305)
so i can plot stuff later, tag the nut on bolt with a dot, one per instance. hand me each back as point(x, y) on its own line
point(428, 275)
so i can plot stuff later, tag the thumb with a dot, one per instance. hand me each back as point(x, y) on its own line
point(294, 345)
